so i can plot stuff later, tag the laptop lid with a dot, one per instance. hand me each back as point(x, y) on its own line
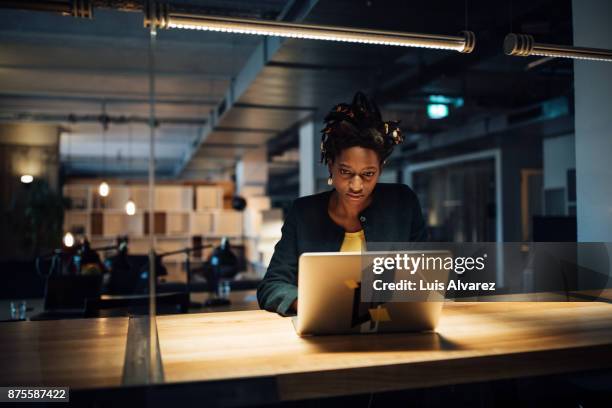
point(329, 293)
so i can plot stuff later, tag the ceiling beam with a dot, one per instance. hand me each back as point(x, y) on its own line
point(453, 65)
point(96, 118)
point(275, 107)
point(107, 100)
point(296, 10)
point(200, 75)
point(321, 67)
point(243, 130)
point(232, 145)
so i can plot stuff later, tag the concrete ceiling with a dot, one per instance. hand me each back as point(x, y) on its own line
point(70, 71)
point(219, 95)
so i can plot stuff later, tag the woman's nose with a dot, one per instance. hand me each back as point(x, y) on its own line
point(356, 184)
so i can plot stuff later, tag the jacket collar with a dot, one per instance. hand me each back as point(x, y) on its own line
point(366, 212)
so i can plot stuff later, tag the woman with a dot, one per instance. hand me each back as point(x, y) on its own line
point(355, 144)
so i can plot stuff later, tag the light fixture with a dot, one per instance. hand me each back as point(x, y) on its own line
point(523, 45)
point(130, 207)
point(74, 8)
point(27, 178)
point(439, 99)
point(159, 15)
point(104, 189)
point(68, 240)
point(437, 110)
point(457, 102)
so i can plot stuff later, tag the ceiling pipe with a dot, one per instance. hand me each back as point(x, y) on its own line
point(104, 99)
point(120, 120)
point(74, 8)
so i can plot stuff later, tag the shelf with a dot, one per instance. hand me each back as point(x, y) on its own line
point(209, 197)
point(177, 223)
point(185, 215)
point(78, 195)
point(201, 223)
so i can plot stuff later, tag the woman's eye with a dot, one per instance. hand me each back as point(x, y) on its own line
point(343, 171)
point(368, 174)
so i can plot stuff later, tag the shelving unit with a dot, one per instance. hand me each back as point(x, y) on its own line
point(179, 219)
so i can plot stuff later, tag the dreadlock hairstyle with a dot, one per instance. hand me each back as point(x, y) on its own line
point(358, 124)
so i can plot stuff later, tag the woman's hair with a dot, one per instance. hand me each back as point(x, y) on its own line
point(358, 124)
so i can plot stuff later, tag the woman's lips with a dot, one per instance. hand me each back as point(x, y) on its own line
point(354, 196)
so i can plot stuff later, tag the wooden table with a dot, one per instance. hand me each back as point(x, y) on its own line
point(601, 295)
point(241, 300)
point(474, 342)
point(80, 353)
point(259, 353)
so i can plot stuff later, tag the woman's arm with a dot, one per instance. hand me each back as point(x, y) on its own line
point(277, 292)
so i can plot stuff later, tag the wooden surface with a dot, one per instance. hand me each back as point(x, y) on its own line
point(80, 353)
point(474, 342)
point(240, 300)
point(602, 295)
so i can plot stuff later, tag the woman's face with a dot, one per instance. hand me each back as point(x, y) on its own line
point(355, 172)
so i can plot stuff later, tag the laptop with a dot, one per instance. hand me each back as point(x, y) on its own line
point(329, 294)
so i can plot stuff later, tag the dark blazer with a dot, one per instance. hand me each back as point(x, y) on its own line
point(394, 215)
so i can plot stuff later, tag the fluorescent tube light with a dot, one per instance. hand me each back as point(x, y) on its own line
point(523, 45)
point(162, 17)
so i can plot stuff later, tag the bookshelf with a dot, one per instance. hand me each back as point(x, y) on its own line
point(183, 214)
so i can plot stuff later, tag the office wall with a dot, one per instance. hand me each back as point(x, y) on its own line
point(559, 157)
point(309, 155)
point(519, 152)
point(26, 149)
point(313, 174)
point(593, 122)
point(252, 172)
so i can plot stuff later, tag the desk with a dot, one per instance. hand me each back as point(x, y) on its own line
point(601, 295)
point(475, 342)
point(80, 353)
point(241, 300)
point(260, 350)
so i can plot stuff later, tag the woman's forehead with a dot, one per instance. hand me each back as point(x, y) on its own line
point(358, 157)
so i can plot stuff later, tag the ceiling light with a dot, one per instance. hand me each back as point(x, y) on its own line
point(159, 15)
point(104, 189)
point(27, 178)
point(68, 240)
point(439, 99)
point(130, 207)
point(523, 45)
point(457, 102)
point(437, 111)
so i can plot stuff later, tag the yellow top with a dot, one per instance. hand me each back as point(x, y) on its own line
point(353, 241)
